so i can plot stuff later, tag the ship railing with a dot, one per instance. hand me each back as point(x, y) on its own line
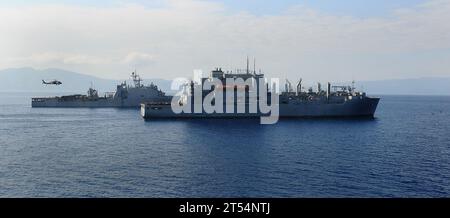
point(157, 103)
point(38, 99)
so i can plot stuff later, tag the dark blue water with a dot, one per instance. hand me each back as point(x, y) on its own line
point(404, 152)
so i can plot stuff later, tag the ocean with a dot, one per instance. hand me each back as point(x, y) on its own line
point(51, 152)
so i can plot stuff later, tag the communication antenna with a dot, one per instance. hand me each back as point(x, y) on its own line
point(254, 65)
point(247, 65)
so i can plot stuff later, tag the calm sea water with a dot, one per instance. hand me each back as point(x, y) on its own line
point(404, 152)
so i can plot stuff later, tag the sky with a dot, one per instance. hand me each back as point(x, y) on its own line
point(317, 40)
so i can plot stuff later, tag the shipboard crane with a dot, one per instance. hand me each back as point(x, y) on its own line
point(299, 86)
point(288, 86)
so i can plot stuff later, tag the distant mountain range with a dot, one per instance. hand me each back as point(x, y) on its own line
point(30, 80)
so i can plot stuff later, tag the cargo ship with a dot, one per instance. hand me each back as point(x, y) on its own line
point(293, 102)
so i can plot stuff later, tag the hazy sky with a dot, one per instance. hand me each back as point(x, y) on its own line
point(317, 40)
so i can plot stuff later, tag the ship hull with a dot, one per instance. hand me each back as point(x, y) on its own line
point(103, 103)
point(58, 102)
point(364, 107)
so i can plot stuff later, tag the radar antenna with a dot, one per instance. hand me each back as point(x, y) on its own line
point(136, 79)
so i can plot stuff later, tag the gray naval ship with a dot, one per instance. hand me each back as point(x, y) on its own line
point(125, 96)
point(335, 101)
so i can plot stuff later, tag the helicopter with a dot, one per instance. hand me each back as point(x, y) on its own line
point(53, 82)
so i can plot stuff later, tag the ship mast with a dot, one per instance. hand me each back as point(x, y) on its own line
point(136, 79)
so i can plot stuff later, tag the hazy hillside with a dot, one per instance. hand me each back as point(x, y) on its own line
point(30, 80)
point(421, 86)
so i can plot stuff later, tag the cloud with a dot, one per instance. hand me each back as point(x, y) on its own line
point(139, 59)
point(60, 58)
point(183, 35)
